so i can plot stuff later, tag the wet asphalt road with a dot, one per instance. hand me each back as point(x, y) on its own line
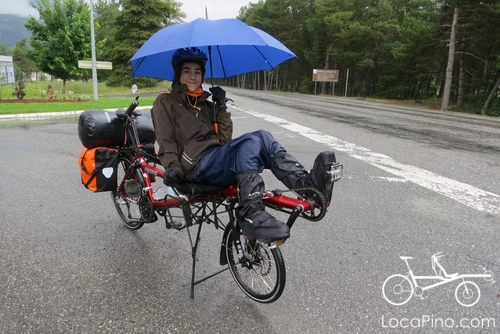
point(67, 264)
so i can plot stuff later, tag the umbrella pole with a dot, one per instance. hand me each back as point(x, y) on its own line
point(216, 126)
point(210, 60)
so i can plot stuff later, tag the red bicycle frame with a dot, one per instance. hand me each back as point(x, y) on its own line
point(272, 199)
point(203, 204)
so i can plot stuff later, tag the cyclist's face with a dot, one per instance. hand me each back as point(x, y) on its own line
point(191, 75)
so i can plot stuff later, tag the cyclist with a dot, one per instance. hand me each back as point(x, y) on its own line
point(194, 148)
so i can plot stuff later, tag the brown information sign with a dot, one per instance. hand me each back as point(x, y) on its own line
point(326, 75)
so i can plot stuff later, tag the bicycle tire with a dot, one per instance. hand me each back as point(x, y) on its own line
point(262, 275)
point(127, 205)
point(397, 289)
point(467, 293)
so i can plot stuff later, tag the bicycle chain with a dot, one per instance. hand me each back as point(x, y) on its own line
point(319, 203)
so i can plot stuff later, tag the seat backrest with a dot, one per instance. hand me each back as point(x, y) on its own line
point(437, 267)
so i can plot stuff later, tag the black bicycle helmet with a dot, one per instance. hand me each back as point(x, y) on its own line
point(192, 54)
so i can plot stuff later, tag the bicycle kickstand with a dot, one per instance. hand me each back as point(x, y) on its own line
point(186, 208)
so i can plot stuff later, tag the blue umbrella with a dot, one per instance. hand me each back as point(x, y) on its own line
point(232, 47)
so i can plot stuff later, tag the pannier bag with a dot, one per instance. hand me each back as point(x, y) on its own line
point(101, 128)
point(98, 167)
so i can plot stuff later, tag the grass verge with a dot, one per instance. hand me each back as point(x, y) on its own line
point(77, 97)
point(42, 107)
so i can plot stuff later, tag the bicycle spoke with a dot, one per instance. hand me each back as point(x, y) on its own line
point(397, 289)
point(268, 286)
point(127, 206)
point(467, 293)
point(261, 273)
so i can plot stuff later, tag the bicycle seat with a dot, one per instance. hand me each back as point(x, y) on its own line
point(193, 189)
point(439, 269)
point(404, 258)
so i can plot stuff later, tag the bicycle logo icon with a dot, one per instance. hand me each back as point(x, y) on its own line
point(398, 289)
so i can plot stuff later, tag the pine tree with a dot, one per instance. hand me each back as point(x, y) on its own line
point(136, 22)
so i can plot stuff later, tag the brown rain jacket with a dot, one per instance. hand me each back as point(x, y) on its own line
point(184, 133)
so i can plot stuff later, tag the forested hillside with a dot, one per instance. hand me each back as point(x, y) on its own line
point(12, 30)
point(398, 49)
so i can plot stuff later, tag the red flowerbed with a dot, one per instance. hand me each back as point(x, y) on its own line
point(37, 101)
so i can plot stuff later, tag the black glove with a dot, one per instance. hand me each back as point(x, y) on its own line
point(219, 97)
point(171, 177)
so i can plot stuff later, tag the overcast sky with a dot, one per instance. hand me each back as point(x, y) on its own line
point(217, 9)
point(18, 7)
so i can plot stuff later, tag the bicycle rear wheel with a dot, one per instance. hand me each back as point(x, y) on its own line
point(261, 273)
point(397, 289)
point(126, 197)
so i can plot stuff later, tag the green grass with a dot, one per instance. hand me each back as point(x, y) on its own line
point(102, 103)
point(79, 96)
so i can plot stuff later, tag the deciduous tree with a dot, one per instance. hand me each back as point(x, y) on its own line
point(61, 37)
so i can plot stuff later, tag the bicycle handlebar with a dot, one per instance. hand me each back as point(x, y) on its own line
point(131, 108)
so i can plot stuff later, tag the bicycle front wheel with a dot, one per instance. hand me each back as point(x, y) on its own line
point(261, 273)
point(126, 197)
point(467, 293)
point(397, 289)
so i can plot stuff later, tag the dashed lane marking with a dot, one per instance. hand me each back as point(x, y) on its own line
point(464, 193)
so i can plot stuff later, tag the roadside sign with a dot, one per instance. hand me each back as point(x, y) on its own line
point(325, 75)
point(100, 65)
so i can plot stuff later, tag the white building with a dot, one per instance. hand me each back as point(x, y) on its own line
point(6, 70)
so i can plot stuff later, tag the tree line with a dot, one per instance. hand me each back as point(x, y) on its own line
point(395, 49)
point(446, 50)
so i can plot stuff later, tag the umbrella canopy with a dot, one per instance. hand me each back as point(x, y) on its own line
point(232, 47)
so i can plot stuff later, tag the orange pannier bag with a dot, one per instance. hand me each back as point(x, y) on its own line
point(98, 167)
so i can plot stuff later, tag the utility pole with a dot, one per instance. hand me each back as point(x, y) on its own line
point(346, 82)
point(92, 42)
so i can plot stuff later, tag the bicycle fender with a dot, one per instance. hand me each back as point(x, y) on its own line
point(223, 257)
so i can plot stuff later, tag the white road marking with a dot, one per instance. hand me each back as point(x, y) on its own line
point(390, 179)
point(464, 193)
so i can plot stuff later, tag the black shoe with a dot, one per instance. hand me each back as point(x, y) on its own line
point(319, 177)
point(261, 225)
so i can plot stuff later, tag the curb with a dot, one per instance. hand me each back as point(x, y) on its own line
point(39, 115)
point(43, 115)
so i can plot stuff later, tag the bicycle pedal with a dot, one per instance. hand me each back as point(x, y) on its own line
point(335, 173)
point(150, 219)
point(175, 225)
